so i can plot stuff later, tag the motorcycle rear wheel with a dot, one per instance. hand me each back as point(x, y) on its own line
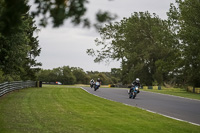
point(134, 95)
point(130, 95)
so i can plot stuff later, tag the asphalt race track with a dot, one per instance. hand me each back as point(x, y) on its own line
point(170, 106)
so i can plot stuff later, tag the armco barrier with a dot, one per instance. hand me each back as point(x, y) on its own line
point(193, 89)
point(152, 87)
point(15, 85)
point(197, 90)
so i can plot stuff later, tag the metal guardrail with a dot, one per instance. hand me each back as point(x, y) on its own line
point(193, 89)
point(152, 87)
point(15, 85)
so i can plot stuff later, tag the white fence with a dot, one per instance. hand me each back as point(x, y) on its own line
point(15, 85)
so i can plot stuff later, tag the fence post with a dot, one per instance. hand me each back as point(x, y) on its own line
point(37, 84)
point(40, 84)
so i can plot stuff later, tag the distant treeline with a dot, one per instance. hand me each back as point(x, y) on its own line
point(75, 75)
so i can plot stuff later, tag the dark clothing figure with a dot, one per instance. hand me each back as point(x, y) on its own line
point(136, 83)
point(98, 80)
point(98, 83)
point(92, 83)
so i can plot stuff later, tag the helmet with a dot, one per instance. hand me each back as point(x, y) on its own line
point(137, 80)
point(98, 78)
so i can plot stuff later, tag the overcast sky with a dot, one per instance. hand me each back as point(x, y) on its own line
point(67, 45)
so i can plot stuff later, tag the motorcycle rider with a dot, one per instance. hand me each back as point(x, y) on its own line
point(98, 82)
point(92, 83)
point(135, 83)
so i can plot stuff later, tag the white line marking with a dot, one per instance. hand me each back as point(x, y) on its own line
point(147, 109)
point(171, 95)
point(171, 117)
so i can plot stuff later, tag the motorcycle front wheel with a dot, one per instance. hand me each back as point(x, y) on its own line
point(130, 95)
point(134, 95)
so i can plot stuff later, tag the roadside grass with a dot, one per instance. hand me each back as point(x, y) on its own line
point(176, 92)
point(62, 109)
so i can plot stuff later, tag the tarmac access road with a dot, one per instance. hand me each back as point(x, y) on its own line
point(179, 108)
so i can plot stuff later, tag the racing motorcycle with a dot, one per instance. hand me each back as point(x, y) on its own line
point(96, 86)
point(133, 92)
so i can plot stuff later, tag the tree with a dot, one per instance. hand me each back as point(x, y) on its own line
point(186, 19)
point(189, 33)
point(11, 12)
point(19, 48)
point(43, 75)
point(144, 44)
point(81, 77)
point(33, 48)
point(115, 75)
point(67, 76)
point(56, 10)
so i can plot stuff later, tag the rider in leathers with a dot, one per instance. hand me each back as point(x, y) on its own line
point(92, 83)
point(136, 83)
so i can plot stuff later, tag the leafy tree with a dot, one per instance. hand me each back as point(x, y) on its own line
point(43, 75)
point(11, 12)
point(93, 74)
point(67, 76)
point(144, 44)
point(186, 20)
point(56, 75)
point(189, 33)
point(33, 48)
point(19, 48)
point(55, 10)
point(81, 76)
point(1, 76)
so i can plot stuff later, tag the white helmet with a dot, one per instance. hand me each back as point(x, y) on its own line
point(137, 80)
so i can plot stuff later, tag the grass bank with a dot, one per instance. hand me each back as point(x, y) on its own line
point(62, 109)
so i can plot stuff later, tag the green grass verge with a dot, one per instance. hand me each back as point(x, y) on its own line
point(61, 109)
point(176, 92)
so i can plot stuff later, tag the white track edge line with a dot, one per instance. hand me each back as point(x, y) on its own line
point(171, 95)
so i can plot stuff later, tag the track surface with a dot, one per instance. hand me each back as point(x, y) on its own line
point(176, 107)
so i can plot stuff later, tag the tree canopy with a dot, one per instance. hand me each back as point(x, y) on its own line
point(158, 51)
point(186, 19)
point(18, 46)
point(56, 11)
point(142, 43)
